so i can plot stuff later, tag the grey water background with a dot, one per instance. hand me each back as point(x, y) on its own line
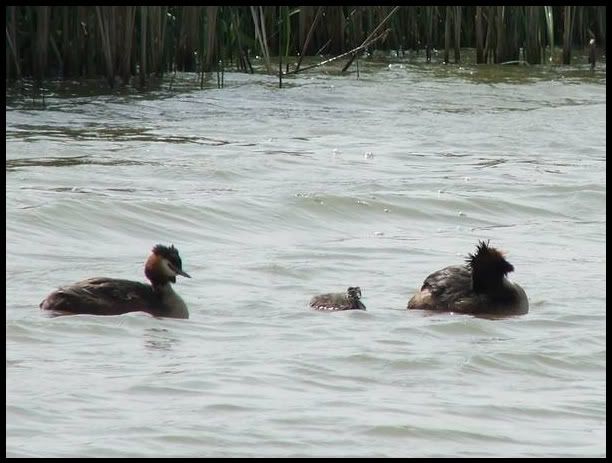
point(275, 195)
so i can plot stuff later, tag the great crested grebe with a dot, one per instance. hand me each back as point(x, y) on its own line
point(479, 288)
point(110, 296)
point(333, 302)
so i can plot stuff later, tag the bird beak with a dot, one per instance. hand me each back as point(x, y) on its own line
point(183, 273)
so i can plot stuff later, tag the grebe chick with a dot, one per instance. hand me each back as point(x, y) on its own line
point(479, 288)
point(110, 296)
point(334, 302)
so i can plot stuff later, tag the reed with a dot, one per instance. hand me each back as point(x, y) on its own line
point(143, 45)
point(457, 18)
point(41, 39)
point(124, 42)
point(209, 55)
point(280, 49)
point(568, 20)
point(447, 33)
point(429, 28)
point(369, 38)
point(260, 34)
point(548, 15)
point(157, 27)
point(11, 43)
point(533, 49)
point(244, 63)
point(479, 36)
point(309, 35)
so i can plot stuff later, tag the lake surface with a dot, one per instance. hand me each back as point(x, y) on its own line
point(275, 195)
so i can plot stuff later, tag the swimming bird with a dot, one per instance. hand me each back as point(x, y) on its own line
point(334, 302)
point(110, 296)
point(479, 287)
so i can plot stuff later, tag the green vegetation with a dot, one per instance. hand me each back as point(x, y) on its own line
point(122, 42)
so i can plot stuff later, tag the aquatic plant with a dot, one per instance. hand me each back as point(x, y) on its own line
point(120, 43)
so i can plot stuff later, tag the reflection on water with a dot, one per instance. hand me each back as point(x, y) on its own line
point(159, 339)
point(66, 162)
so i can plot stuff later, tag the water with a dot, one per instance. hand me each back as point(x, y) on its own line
point(273, 196)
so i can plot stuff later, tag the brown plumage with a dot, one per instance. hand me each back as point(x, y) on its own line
point(334, 302)
point(111, 296)
point(480, 287)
